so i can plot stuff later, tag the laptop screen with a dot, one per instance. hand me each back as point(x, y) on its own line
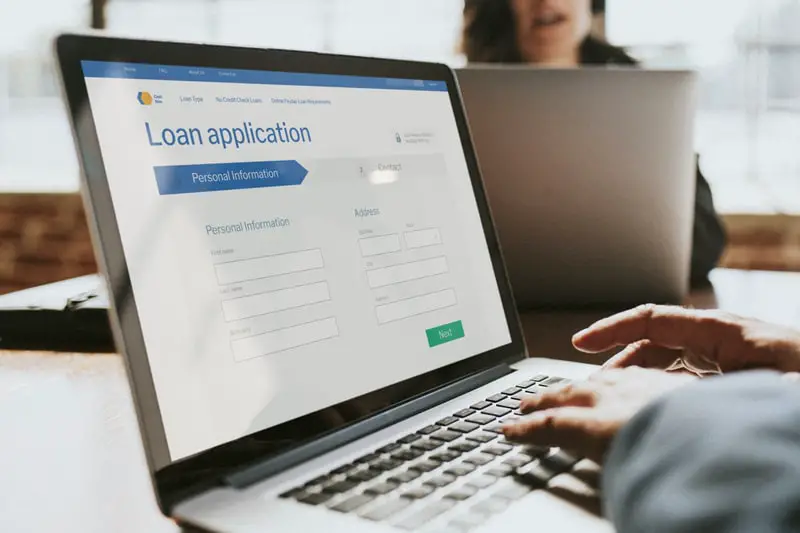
point(292, 240)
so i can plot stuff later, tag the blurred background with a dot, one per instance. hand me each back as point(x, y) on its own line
point(748, 124)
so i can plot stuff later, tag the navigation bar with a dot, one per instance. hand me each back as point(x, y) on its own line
point(141, 71)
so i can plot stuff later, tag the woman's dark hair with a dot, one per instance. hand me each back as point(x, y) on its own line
point(489, 36)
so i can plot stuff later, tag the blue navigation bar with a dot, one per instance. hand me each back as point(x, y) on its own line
point(140, 71)
point(186, 179)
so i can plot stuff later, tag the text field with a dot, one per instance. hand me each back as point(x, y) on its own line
point(381, 277)
point(415, 306)
point(274, 301)
point(384, 244)
point(284, 339)
point(422, 238)
point(267, 266)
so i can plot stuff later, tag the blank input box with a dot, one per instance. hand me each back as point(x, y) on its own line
point(268, 266)
point(384, 244)
point(284, 339)
point(415, 306)
point(381, 277)
point(274, 301)
point(422, 238)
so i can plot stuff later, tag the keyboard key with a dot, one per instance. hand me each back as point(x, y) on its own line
point(495, 428)
point(428, 430)
point(518, 460)
point(536, 451)
point(509, 404)
point(408, 439)
point(513, 492)
point(526, 384)
point(481, 419)
point(354, 502)
point(316, 498)
point(496, 411)
point(340, 487)
point(481, 437)
point(496, 398)
point(381, 489)
point(389, 448)
point(560, 461)
point(534, 390)
point(481, 482)
point(363, 475)
point(500, 471)
point(497, 449)
point(539, 378)
point(552, 381)
point(407, 455)
point(426, 445)
point(479, 459)
point(418, 493)
point(367, 458)
point(490, 506)
point(512, 391)
point(464, 427)
point(294, 493)
point(463, 447)
point(445, 456)
point(538, 474)
point(480, 405)
point(388, 509)
point(425, 466)
point(346, 469)
point(440, 481)
point(404, 477)
point(384, 465)
point(460, 470)
point(464, 493)
point(520, 396)
point(445, 435)
point(321, 480)
point(464, 413)
point(447, 421)
point(421, 518)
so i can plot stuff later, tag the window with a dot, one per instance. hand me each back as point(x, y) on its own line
point(30, 106)
point(748, 56)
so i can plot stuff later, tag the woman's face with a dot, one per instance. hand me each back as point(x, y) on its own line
point(550, 31)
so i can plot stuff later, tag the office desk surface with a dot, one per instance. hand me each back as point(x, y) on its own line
point(70, 455)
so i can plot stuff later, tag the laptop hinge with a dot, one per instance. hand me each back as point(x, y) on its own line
point(258, 472)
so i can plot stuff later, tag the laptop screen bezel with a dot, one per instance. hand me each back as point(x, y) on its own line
point(173, 478)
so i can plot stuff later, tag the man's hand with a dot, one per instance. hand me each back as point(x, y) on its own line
point(655, 336)
point(584, 417)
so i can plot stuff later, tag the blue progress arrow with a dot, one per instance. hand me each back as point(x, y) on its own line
point(185, 179)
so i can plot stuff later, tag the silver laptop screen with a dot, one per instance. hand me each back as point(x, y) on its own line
point(293, 240)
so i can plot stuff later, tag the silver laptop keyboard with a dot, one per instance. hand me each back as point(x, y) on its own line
point(461, 464)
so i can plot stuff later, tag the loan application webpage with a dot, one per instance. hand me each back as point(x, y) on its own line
point(293, 240)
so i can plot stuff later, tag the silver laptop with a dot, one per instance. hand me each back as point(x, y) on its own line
point(308, 292)
point(590, 174)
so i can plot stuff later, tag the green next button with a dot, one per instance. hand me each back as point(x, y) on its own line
point(444, 334)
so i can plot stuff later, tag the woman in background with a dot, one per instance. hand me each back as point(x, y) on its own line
point(556, 33)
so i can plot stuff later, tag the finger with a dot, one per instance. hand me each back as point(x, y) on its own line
point(645, 354)
point(671, 327)
point(578, 395)
point(573, 428)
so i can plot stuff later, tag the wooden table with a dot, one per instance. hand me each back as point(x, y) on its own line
point(70, 455)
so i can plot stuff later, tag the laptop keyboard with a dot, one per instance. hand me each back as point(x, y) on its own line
point(462, 463)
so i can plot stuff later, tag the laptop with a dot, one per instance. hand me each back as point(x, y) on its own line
point(591, 174)
point(308, 292)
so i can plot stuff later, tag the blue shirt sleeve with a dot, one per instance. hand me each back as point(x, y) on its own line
point(721, 455)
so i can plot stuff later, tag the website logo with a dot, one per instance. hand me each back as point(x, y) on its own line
point(146, 98)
